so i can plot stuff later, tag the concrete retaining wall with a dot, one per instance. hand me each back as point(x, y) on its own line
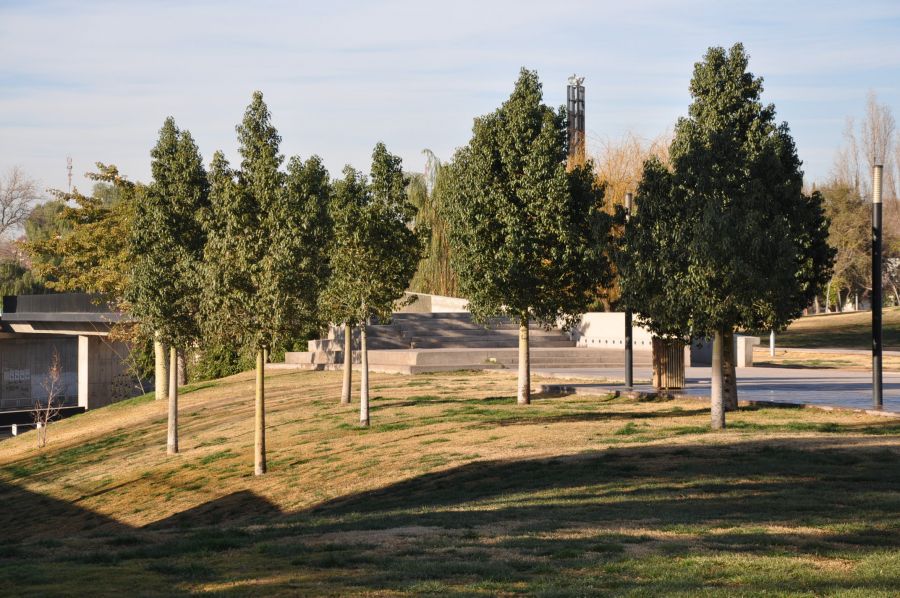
point(606, 330)
point(426, 303)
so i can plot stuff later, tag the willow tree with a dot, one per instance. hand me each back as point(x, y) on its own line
point(428, 193)
point(375, 250)
point(725, 239)
point(168, 241)
point(264, 250)
point(528, 237)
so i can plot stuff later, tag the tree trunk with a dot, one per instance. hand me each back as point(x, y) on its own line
point(729, 372)
point(364, 376)
point(172, 439)
point(827, 295)
point(161, 371)
point(524, 396)
point(182, 369)
point(259, 436)
point(816, 304)
point(348, 363)
point(716, 398)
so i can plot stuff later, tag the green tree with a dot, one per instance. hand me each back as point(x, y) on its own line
point(263, 252)
point(528, 238)
point(726, 239)
point(435, 272)
point(16, 279)
point(90, 255)
point(374, 253)
point(168, 241)
point(849, 233)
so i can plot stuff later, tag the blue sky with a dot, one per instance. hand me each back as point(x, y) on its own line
point(96, 79)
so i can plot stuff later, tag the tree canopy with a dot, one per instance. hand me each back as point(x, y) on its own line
point(527, 236)
point(375, 250)
point(725, 238)
point(168, 239)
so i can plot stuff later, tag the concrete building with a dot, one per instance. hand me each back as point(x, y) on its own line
point(74, 325)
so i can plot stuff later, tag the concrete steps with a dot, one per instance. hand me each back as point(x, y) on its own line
point(412, 361)
point(443, 330)
point(431, 342)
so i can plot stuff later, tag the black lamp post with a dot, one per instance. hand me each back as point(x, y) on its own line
point(629, 358)
point(876, 286)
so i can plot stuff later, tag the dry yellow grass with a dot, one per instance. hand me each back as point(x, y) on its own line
point(451, 472)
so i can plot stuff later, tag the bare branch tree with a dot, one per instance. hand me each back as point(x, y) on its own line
point(43, 412)
point(877, 131)
point(18, 194)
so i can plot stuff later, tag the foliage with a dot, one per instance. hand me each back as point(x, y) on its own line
point(726, 238)
point(46, 220)
point(435, 273)
point(528, 237)
point(375, 252)
point(16, 279)
point(94, 256)
point(267, 231)
point(218, 359)
point(849, 233)
point(168, 240)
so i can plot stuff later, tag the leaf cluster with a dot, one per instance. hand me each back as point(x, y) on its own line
point(725, 238)
point(528, 237)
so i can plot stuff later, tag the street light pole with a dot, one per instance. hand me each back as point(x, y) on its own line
point(629, 357)
point(876, 286)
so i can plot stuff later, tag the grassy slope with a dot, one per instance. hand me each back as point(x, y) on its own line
point(851, 330)
point(455, 490)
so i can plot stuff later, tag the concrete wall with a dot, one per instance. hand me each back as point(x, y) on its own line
point(606, 330)
point(24, 363)
point(103, 376)
point(701, 351)
point(426, 303)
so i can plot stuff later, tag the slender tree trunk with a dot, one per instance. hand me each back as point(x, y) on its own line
point(827, 295)
point(259, 436)
point(172, 439)
point(816, 304)
point(182, 369)
point(717, 404)
point(348, 363)
point(364, 376)
point(161, 370)
point(524, 396)
point(729, 372)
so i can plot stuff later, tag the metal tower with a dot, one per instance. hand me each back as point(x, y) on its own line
point(575, 117)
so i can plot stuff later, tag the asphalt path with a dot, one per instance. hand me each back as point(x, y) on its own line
point(814, 386)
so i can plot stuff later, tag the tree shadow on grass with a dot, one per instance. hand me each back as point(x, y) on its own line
point(631, 519)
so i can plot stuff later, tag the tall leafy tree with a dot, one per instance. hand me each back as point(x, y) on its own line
point(375, 250)
point(725, 239)
point(168, 240)
point(528, 237)
point(435, 273)
point(266, 233)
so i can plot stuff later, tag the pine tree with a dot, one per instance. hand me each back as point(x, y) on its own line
point(528, 238)
point(726, 239)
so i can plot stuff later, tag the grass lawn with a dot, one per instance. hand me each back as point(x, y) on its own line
point(455, 490)
point(851, 330)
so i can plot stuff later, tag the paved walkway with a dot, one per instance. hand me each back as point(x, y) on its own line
point(834, 387)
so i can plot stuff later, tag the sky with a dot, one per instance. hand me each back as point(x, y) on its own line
point(94, 80)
